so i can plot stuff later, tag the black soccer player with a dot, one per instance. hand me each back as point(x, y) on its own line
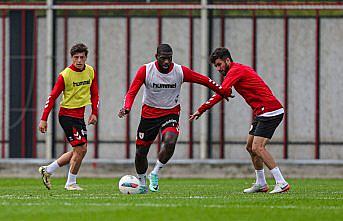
point(161, 109)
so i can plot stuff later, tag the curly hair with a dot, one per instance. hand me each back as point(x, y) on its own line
point(221, 53)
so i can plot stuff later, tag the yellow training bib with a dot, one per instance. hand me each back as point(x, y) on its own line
point(77, 85)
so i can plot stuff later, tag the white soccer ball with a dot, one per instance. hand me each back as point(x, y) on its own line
point(129, 184)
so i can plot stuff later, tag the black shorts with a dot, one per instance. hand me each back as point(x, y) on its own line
point(265, 126)
point(149, 127)
point(74, 129)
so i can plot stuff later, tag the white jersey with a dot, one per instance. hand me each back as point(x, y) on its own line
point(162, 90)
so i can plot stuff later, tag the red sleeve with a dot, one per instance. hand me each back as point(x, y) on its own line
point(227, 84)
point(136, 84)
point(95, 95)
point(194, 77)
point(210, 103)
point(56, 91)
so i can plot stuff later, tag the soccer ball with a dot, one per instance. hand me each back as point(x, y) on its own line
point(129, 184)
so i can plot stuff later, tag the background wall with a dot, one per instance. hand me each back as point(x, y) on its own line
point(144, 38)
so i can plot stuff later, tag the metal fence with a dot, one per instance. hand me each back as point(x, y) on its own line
point(207, 27)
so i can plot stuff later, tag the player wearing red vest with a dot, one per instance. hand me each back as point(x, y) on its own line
point(161, 108)
point(79, 86)
point(268, 113)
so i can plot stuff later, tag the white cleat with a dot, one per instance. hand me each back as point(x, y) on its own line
point(280, 188)
point(73, 186)
point(45, 177)
point(257, 188)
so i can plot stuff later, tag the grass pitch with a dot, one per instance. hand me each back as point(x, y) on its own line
point(178, 199)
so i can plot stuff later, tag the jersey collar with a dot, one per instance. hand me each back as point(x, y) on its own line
point(76, 69)
point(169, 70)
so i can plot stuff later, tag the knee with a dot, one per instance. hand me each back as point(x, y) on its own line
point(169, 146)
point(248, 147)
point(169, 139)
point(142, 151)
point(257, 149)
point(81, 150)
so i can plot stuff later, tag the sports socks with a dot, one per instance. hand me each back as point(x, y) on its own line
point(260, 178)
point(157, 167)
point(71, 179)
point(52, 167)
point(142, 178)
point(277, 175)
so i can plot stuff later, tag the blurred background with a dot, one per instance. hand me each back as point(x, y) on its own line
point(296, 46)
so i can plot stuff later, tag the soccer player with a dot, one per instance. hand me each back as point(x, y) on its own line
point(78, 83)
point(268, 113)
point(161, 109)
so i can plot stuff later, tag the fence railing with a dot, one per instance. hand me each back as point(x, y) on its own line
point(205, 21)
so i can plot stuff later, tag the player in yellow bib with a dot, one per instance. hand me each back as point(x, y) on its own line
point(79, 86)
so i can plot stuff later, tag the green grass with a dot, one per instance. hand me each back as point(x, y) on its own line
point(178, 199)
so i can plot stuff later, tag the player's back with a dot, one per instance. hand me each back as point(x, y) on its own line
point(253, 89)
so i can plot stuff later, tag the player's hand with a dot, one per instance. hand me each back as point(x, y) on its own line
point(195, 116)
point(43, 125)
point(92, 119)
point(123, 112)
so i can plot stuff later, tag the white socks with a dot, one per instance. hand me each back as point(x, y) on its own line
point(277, 175)
point(260, 178)
point(142, 178)
point(52, 167)
point(71, 179)
point(157, 167)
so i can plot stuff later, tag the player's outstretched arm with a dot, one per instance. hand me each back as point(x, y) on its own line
point(136, 84)
point(194, 77)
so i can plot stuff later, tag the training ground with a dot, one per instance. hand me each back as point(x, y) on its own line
point(189, 190)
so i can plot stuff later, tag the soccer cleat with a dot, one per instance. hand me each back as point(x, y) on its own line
point(45, 177)
point(73, 186)
point(143, 189)
point(257, 188)
point(280, 188)
point(153, 178)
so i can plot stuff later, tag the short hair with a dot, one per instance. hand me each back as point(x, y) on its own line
point(164, 48)
point(79, 48)
point(220, 53)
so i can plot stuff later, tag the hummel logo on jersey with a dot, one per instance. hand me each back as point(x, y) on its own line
point(164, 85)
point(76, 84)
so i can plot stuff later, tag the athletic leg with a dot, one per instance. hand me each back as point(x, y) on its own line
point(170, 133)
point(259, 148)
point(260, 184)
point(78, 154)
point(167, 151)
